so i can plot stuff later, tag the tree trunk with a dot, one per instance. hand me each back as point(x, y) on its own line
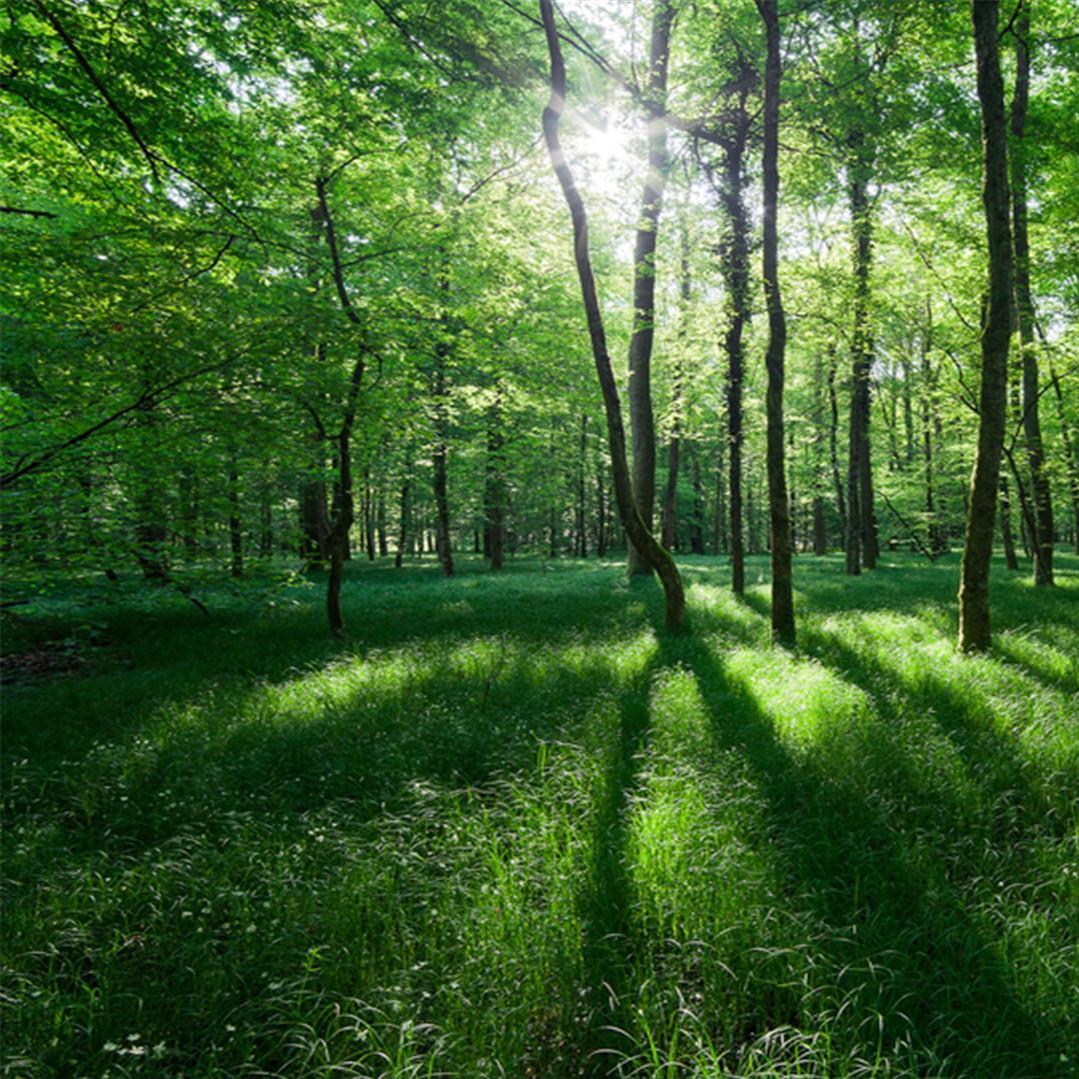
point(734, 265)
point(1004, 512)
point(1041, 492)
point(189, 510)
point(266, 517)
point(860, 493)
point(719, 543)
point(405, 511)
point(696, 521)
point(151, 531)
point(601, 513)
point(936, 540)
point(581, 538)
point(1070, 462)
point(494, 486)
point(974, 625)
point(236, 537)
point(637, 530)
point(642, 423)
point(443, 539)
point(820, 531)
point(674, 446)
point(833, 447)
point(338, 528)
point(782, 584)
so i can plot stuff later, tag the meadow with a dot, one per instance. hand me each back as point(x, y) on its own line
point(510, 827)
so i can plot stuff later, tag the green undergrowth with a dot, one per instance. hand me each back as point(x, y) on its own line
point(508, 827)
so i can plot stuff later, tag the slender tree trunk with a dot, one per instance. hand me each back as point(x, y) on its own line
point(833, 448)
point(637, 530)
point(601, 512)
point(236, 537)
point(782, 583)
point(369, 514)
point(1004, 512)
point(1041, 492)
point(266, 543)
point(696, 522)
point(494, 538)
point(792, 496)
point(719, 541)
point(1070, 462)
point(405, 512)
point(936, 540)
point(151, 530)
point(974, 624)
point(580, 535)
point(189, 510)
point(734, 265)
point(820, 531)
point(674, 446)
point(908, 414)
point(642, 422)
point(338, 528)
point(861, 475)
point(443, 537)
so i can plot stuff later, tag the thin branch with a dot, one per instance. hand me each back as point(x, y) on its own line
point(197, 272)
point(24, 467)
point(102, 89)
point(28, 213)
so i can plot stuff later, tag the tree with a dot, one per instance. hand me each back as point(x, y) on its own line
point(632, 520)
point(1041, 493)
point(779, 508)
point(996, 332)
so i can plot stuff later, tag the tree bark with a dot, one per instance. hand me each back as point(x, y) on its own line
point(439, 456)
point(696, 520)
point(674, 445)
point(974, 621)
point(734, 265)
point(1004, 512)
point(338, 528)
point(494, 486)
point(236, 537)
point(1070, 462)
point(637, 530)
point(1041, 492)
point(405, 513)
point(580, 536)
point(642, 422)
point(820, 530)
point(833, 447)
point(782, 585)
point(860, 493)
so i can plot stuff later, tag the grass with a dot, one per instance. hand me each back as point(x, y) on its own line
point(510, 829)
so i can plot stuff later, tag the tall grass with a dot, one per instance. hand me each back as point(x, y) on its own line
point(511, 828)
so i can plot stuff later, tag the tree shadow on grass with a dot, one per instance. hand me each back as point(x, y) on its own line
point(933, 985)
point(994, 759)
point(607, 955)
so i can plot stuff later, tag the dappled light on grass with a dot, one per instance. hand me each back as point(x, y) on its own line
point(512, 827)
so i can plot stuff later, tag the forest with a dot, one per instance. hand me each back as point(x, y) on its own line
point(540, 538)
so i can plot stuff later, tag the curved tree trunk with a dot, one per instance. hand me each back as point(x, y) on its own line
point(637, 531)
point(996, 332)
point(642, 422)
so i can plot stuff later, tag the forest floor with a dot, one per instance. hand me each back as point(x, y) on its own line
point(509, 828)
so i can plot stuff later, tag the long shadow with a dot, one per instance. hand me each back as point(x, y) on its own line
point(607, 953)
point(993, 759)
point(939, 985)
